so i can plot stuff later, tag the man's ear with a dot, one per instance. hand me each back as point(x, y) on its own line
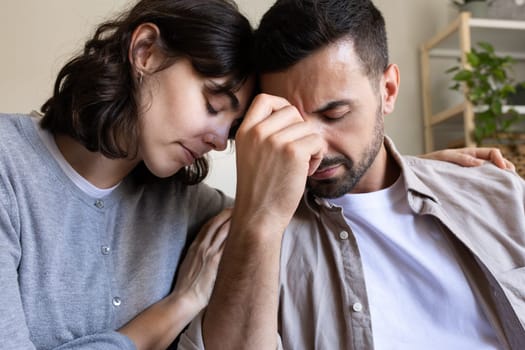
point(390, 88)
point(144, 53)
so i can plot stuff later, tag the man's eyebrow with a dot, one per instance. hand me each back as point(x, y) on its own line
point(332, 105)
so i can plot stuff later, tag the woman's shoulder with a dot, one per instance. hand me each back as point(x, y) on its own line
point(201, 195)
point(18, 136)
point(13, 125)
point(9, 121)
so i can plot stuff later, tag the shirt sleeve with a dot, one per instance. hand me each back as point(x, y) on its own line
point(192, 339)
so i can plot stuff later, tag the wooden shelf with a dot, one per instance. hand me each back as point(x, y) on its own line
point(519, 109)
point(460, 108)
point(454, 41)
point(496, 23)
point(479, 29)
point(448, 113)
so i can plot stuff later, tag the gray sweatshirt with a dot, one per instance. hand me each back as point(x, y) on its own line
point(73, 269)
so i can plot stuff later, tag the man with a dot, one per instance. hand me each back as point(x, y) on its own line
point(381, 251)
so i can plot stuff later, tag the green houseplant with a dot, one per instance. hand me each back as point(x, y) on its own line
point(489, 84)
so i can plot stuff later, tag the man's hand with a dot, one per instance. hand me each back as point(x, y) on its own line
point(276, 151)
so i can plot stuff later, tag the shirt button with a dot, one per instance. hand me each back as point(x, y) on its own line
point(357, 307)
point(105, 250)
point(99, 204)
point(343, 235)
point(116, 301)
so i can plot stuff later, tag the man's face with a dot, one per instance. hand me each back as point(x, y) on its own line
point(330, 89)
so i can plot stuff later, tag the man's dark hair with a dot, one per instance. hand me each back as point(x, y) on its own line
point(94, 97)
point(293, 29)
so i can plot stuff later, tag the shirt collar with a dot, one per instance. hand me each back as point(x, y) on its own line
point(412, 183)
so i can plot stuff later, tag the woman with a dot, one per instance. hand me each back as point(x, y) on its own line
point(90, 237)
point(96, 207)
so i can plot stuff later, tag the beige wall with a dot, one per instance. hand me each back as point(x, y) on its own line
point(38, 36)
point(409, 22)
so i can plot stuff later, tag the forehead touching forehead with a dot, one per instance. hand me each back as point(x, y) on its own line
point(239, 91)
point(238, 96)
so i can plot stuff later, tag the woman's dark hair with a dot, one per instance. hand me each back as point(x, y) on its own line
point(94, 94)
point(293, 29)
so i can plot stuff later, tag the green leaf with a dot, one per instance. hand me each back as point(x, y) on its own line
point(508, 89)
point(473, 59)
point(490, 129)
point(509, 60)
point(506, 125)
point(455, 86)
point(478, 135)
point(484, 116)
point(486, 46)
point(497, 107)
point(499, 74)
point(488, 81)
point(463, 75)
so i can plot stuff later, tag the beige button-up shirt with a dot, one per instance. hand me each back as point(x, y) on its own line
point(323, 299)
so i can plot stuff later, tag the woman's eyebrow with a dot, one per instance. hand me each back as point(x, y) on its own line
point(215, 89)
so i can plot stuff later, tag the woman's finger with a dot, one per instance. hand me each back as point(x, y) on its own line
point(210, 228)
point(220, 235)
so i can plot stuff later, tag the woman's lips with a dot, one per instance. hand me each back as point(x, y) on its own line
point(190, 155)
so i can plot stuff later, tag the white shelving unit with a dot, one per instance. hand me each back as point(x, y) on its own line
point(455, 41)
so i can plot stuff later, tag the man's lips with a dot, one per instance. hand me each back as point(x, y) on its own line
point(325, 173)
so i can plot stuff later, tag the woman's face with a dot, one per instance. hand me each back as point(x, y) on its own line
point(183, 118)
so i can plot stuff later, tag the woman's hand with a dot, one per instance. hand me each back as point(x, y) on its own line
point(157, 326)
point(471, 156)
point(198, 271)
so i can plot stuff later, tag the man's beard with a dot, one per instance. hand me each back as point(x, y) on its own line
point(337, 187)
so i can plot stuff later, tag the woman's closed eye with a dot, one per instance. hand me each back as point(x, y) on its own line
point(211, 109)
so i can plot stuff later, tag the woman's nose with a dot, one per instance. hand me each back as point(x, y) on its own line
point(217, 141)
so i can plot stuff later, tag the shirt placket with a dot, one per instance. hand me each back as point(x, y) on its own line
point(356, 311)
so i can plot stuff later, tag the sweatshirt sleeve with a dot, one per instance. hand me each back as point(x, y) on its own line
point(13, 329)
point(204, 202)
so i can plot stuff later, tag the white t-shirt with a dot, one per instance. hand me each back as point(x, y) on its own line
point(83, 184)
point(419, 296)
